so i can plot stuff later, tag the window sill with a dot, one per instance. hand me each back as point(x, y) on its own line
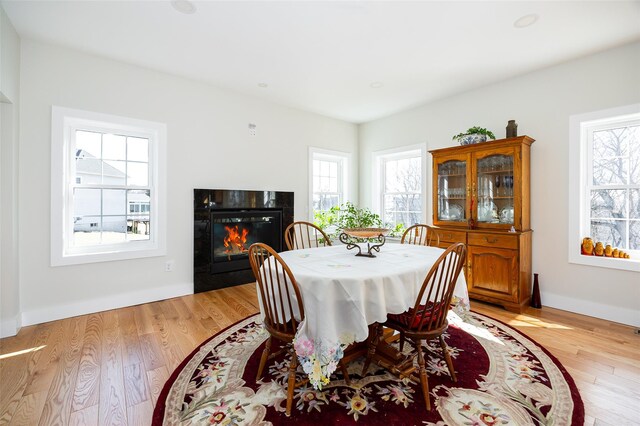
point(632, 264)
point(107, 256)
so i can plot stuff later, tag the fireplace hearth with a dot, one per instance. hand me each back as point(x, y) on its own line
point(226, 223)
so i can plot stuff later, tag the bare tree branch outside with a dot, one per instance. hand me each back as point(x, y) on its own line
point(615, 187)
point(403, 191)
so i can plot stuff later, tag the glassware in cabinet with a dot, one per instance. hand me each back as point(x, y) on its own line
point(495, 189)
point(452, 190)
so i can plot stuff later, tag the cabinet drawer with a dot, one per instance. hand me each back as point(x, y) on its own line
point(448, 236)
point(493, 240)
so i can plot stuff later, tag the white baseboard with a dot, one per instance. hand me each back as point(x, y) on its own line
point(90, 306)
point(593, 309)
point(10, 327)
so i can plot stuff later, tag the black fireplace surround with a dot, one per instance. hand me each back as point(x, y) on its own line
point(226, 223)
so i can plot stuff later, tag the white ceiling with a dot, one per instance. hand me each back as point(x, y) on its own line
point(323, 56)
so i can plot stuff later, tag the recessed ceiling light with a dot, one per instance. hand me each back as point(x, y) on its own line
point(263, 85)
point(376, 85)
point(184, 6)
point(526, 20)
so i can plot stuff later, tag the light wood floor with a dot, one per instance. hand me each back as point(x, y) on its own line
point(109, 367)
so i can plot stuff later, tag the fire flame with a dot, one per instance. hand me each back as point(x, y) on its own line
point(235, 240)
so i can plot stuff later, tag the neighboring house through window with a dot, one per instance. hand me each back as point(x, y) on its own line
point(328, 179)
point(107, 187)
point(605, 184)
point(399, 193)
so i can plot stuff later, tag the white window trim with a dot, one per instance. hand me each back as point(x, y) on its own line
point(62, 120)
point(332, 156)
point(395, 153)
point(578, 174)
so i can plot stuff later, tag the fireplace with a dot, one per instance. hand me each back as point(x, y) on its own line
point(234, 232)
point(226, 223)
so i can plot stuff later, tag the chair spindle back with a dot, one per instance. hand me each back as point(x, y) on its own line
point(279, 292)
point(437, 289)
point(420, 235)
point(301, 235)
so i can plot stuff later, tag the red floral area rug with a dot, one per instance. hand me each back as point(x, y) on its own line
point(504, 378)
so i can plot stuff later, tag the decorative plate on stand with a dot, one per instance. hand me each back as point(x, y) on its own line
point(365, 232)
point(377, 234)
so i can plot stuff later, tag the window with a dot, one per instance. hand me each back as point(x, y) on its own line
point(107, 187)
point(328, 170)
point(605, 175)
point(399, 177)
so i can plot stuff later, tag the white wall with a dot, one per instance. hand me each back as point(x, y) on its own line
point(541, 103)
point(208, 147)
point(9, 122)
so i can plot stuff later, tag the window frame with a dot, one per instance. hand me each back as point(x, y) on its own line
point(344, 160)
point(64, 123)
point(379, 176)
point(582, 127)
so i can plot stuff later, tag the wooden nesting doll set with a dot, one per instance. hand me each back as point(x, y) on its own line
point(588, 248)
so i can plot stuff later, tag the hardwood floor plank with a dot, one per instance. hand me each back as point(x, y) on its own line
point(168, 310)
point(191, 303)
point(18, 366)
point(86, 393)
point(173, 356)
point(237, 299)
point(135, 384)
point(131, 354)
point(139, 414)
point(627, 372)
point(112, 409)
point(157, 379)
point(210, 325)
point(250, 294)
point(191, 320)
point(86, 417)
point(143, 318)
point(57, 408)
point(29, 409)
point(181, 329)
point(151, 352)
point(214, 311)
point(230, 315)
point(46, 361)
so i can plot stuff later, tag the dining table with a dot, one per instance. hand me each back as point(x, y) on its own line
point(344, 295)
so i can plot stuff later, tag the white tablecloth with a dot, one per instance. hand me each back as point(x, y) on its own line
point(343, 294)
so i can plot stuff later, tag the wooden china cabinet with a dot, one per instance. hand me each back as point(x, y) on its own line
point(481, 195)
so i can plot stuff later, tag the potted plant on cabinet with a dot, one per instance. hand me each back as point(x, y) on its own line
point(474, 135)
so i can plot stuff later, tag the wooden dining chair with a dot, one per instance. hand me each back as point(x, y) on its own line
point(427, 319)
point(283, 310)
point(301, 235)
point(420, 234)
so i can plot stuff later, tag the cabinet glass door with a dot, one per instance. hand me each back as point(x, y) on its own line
point(452, 195)
point(494, 189)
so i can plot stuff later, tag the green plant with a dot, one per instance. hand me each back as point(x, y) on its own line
point(477, 130)
point(348, 215)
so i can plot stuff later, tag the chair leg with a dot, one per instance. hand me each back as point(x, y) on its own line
point(447, 357)
point(263, 359)
point(291, 384)
point(401, 340)
point(345, 373)
point(371, 348)
point(424, 381)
